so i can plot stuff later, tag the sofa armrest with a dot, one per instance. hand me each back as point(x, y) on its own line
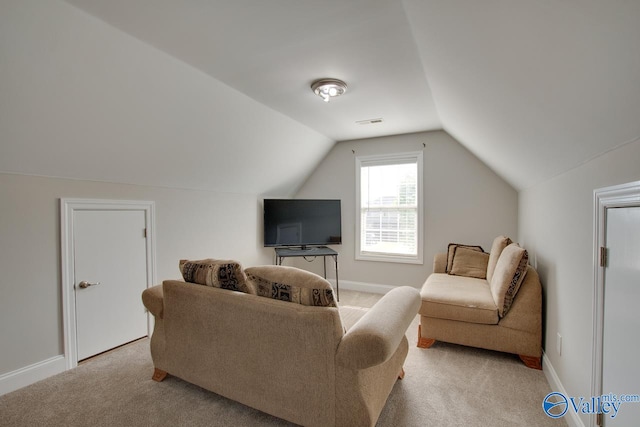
point(152, 298)
point(376, 336)
point(440, 263)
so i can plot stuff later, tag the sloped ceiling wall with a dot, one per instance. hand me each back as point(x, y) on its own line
point(533, 88)
point(83, 100)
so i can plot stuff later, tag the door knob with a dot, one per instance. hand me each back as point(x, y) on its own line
point(85, 284)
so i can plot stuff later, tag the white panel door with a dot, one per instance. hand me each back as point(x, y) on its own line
point(110, 256)
point(621, 346)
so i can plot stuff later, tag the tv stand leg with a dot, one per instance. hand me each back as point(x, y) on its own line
point(335, 258)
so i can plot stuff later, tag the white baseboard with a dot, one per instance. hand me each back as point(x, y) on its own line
point(572, 419)
point(23, 377)
point(362, 287)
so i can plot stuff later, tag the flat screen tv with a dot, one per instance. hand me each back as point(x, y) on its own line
point(302, 222)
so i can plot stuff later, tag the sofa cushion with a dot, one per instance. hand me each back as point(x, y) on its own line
point(459, 298)
point(469, 263)
point(451, 251)
point(291, 284)
point(224, 274)
point(508, 276)
point(499, 243)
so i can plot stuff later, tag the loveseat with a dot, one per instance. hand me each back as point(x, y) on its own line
point(273, 338)
point(491, 301)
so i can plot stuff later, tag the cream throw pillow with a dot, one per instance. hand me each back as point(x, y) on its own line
point(508, 276)
point(469, 263)
point(499, 243)
point(451, 250)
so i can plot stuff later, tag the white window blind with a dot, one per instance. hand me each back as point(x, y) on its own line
point(389, 207)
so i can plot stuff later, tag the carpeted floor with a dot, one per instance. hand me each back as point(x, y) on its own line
point(446, 385)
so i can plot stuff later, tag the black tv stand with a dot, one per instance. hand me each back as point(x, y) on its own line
point(305, 251)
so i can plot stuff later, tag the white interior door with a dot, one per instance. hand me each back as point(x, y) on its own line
point(110, 256)
point(620, 366)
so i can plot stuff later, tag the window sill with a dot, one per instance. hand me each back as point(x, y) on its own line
point(389, 258)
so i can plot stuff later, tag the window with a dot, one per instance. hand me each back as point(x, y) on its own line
point(389, 208)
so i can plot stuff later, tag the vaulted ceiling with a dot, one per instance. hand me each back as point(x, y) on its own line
point(533, 88)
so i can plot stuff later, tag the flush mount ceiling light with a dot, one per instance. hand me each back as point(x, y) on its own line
point(328, 88)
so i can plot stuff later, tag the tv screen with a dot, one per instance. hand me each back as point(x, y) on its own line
point(302, 222)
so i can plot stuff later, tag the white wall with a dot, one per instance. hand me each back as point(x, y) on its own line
point(556, 226)
point(465, 202)
point(189, 224)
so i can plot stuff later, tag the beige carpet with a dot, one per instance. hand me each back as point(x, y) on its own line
point(446, 385)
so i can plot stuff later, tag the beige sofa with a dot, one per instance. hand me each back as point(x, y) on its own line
point(462, 309)
point(311, 365)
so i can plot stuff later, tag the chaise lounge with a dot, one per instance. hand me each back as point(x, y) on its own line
point(491, 301)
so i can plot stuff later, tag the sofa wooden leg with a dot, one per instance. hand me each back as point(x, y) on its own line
point(531, 361)
point(401, 374)
point(159, 375)
point(424, 342)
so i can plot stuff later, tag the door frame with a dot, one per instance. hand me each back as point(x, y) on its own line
point(68, 207)
point(618, 196)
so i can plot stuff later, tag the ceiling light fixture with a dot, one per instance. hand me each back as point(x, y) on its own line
point(328, 88)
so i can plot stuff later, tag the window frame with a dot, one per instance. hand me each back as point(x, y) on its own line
point(381, 160)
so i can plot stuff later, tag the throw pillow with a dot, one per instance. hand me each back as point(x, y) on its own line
point(499, 243)
point(469, 263)
point(451, 249)
point(291, 284)
point(222, 274)
point(508, 276)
